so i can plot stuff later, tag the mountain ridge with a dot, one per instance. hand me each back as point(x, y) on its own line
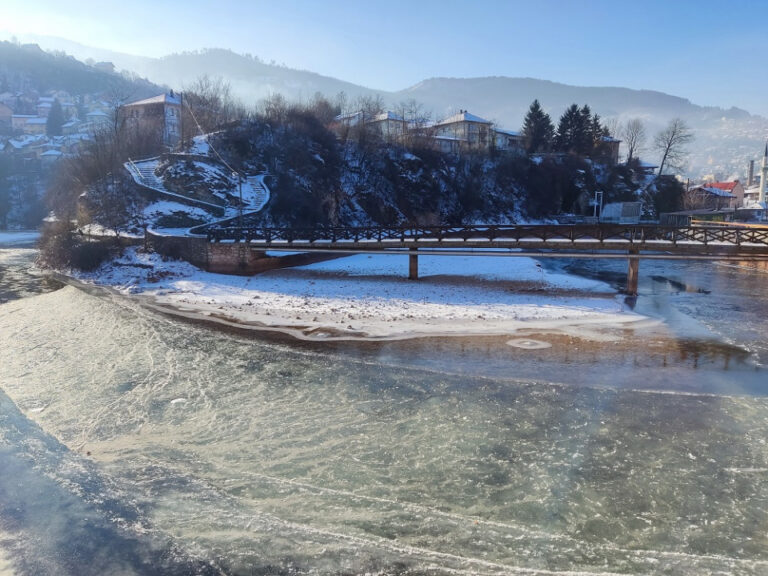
point(726, 138)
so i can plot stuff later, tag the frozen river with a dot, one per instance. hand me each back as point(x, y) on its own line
point(133, 443)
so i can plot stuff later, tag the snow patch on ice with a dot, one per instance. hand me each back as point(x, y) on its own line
point(369, 295)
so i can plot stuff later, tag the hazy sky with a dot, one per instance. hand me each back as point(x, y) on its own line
point(712, 52)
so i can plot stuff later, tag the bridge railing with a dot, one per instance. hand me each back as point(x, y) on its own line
point(553, 234)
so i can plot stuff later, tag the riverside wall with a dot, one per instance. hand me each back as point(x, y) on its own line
point(221, 257)
point(228, 257)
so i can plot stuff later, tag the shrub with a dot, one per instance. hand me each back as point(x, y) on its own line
point(61, 247)
point(88, 256)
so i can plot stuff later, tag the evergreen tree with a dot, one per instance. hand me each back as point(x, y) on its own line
point(596, 134)
point(55, 119)
point(579, 131)
point(571, 131)
point(538, 130)
point(585, 138)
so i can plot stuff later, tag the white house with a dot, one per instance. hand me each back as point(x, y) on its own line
point(388, 125)
point(463, 131)
point(509, 141)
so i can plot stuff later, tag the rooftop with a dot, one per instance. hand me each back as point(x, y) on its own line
point(716, 192)
point(728, 186)
point(507, 132)
point(463, 116)
point(387, 115)
point(160, 99)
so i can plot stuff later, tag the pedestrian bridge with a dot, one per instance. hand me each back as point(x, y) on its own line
point(633, 242)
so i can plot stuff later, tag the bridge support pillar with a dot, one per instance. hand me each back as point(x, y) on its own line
point(633, 272)
point(413, 264)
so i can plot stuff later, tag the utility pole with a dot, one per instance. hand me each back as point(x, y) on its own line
point(240, 188)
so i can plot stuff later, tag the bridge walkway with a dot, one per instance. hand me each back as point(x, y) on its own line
point(633, 242)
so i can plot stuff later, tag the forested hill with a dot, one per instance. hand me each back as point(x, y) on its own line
point(725, 138)
point(26, 68)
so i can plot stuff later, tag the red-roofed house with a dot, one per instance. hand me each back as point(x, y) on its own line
point(734, 188)
point(708, 198)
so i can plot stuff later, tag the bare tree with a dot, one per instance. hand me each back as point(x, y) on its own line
point(415, 121)
point(633, 134)
point(208, 104)
point(613, 127)
point(365, 109)
point(340, 101)
point(370, 106)
point(275, 108)
point(323, 109)
point(671, 144)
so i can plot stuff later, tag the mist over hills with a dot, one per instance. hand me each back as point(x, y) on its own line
point(726, 139)
point(28, 67)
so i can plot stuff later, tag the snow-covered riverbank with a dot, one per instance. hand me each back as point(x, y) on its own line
point(369, 297)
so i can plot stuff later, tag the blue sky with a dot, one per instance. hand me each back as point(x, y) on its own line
point(712, 52)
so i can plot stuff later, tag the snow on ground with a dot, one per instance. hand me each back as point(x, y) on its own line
point(369, 296)
point(101, 231)
point(12, 238)
point(200, 145)
point(166, 207)
point(482, 267)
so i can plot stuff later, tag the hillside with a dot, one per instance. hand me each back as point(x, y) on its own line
point(726, 138)
point(27, 68)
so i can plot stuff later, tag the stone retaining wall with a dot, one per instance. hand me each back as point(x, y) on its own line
point(224, 258)
point(227, 257)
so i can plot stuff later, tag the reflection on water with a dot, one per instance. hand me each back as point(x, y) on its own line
point(192, 449)
point(716, 301)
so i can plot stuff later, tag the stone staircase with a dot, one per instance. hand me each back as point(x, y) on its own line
point(143, 173)
point(261, 193)
point(148, 176)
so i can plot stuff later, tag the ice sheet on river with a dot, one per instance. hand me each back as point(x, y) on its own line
point(266, 459)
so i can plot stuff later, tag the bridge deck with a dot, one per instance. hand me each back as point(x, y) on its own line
point(581, 240)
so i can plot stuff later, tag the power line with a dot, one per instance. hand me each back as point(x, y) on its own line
point(211, 146)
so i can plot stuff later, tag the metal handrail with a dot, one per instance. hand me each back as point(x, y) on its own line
point(642, 235)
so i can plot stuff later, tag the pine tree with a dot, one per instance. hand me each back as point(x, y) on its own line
point(55, 119)
point(584, 140)
point(570, 130)
point(597, 132)
point(579, 131)
point(538, 130)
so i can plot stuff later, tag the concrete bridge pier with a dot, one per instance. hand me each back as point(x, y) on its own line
point(413, 264)
point(633, 272)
